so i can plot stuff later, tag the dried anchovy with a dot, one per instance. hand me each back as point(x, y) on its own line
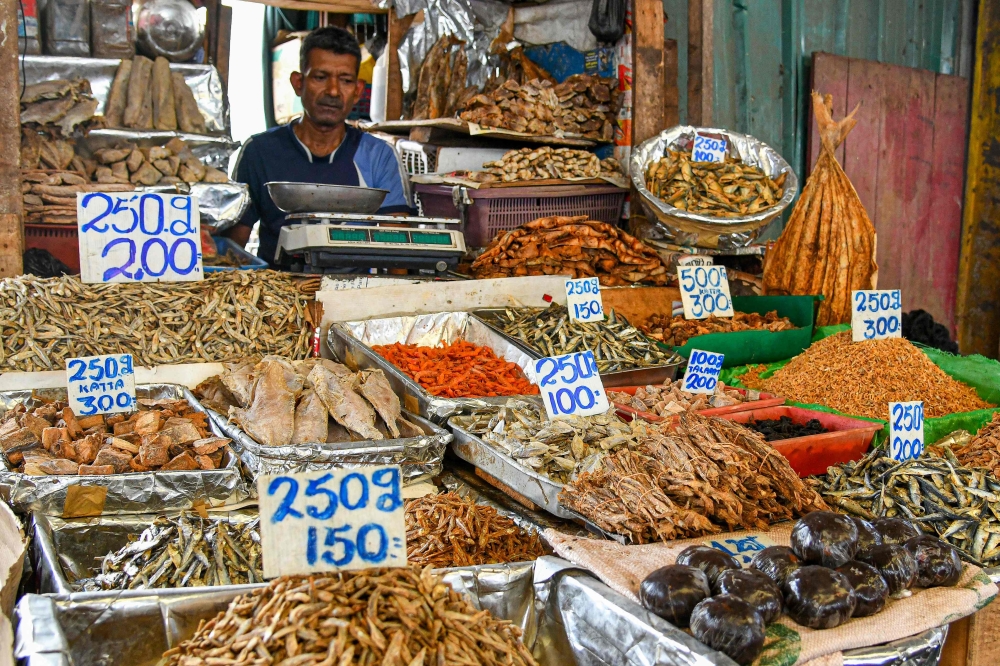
point(186, 552)
point(559, 449)
point(957, 504)
point(697, 477)
point(226, 316)
point(980, 450)
point(862, 378)
point(669, 399)
point(400, 616)
point(448, 530)
point(617, 345)
point(677, 330)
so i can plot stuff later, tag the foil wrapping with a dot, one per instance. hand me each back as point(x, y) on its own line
point(138, 492)
point(204, 81)
point(667, 223)
point(352, 343)
point(420, 458)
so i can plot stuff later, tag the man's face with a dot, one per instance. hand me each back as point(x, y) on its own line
point(329, 87)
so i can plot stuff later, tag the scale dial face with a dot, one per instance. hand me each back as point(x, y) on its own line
point(380, 236)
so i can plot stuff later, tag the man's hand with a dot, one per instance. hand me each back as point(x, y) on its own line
point(239, 234)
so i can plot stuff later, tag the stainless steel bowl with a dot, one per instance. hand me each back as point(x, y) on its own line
point(317, 198)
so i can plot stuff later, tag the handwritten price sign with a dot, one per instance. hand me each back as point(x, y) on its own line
point(101, 384)
point(583, 300)
point(742, 548)
point(705, 291)
point(876, 315)
point(133, 237)
point(332, 520)
point(702, 374)
point(707, 149)
point(906, 430)
point(571, 385)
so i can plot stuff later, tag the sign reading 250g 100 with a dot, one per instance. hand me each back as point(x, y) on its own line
point(705, 291)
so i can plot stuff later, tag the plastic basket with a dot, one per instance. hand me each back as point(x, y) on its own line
point(415, 159)
point(494, 210)
point(250, 262)
point(61, 240)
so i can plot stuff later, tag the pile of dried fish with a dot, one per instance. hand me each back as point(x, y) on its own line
point(545, 162)
point(676, 331)
point(572, 246)
point(669, 399)
point(981, 450)
point(616, 344)
point(278, 402)
point(393, 617)
point(163, 436)
point(559, 450)
point(169, 164)
point(226, 316)
point(58, 103)
point(581, 105)
point(448, 530)
point(862, 378)
point(441, 89)
point(228, 260)
point(828, 245)
point(701, 476)
point(49, 195)
point(188, 551)
point(955, 503)
point(716, 189)
point(147, 95)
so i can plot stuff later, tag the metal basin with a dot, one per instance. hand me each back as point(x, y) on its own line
point(318, 198)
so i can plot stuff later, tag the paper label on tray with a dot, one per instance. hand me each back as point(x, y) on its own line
point(702, 374)
point(705, 291)
point(906, 430)
point(101, 384)
point(742, 549)
point(139, 237)
point(583, 300)
point(707, 149)
point(332, 520)
point(876, 315)
point(571, 385)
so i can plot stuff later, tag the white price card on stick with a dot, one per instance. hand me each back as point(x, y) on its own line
point(139, 237)
point(332, 520)
point(708, 149)
point(876, 314)
point(705, 291)
point(583, 300)
point(906, 430)
point(570, 385)
point(702, 374)
point(101, 384)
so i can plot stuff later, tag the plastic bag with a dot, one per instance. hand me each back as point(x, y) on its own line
point(67, 28)
point(868, 536)
point(869, 587)
point(775, 562)
point(938, 564)
point(713, 562)
point(730, 625)
point(896, 564)
point(111, 29)
point(826, 538)
point(607, 20)
point(754, 588)
point(819, 598)
point(672, 593)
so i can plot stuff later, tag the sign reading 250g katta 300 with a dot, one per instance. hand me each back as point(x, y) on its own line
point(139, 237)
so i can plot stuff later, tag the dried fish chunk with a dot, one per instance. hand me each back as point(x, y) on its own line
point(669, 399)
point(676, 330)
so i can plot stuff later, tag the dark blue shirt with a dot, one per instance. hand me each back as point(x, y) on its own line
point(278, 155)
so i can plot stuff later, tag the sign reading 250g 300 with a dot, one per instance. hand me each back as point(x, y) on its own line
point(139, 237)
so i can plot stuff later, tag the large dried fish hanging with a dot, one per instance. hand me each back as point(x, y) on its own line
point(828, 246)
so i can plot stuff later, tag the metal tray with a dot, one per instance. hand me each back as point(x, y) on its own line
point(661, 374)
point(320, 198)
point(351, 342)
point(138, 492)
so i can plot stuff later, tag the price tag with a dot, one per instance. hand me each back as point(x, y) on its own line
point(332, 520)
point(705, 291)
point(133, 237)
point(695, 260)
point(742, 549)
point(583, 299)
point(707, 149)
point(702, 374)
point(906, 430)
point(101, 384)
point(571, 385)
point(876, 315)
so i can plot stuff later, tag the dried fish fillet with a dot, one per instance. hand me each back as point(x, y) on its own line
point(375, 387)
point(345, 406)
point(270, 418)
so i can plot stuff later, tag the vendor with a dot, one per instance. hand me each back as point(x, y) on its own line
point(319, 147)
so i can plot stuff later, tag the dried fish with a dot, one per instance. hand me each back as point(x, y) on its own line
point(447, 530)
point(669, 399)
point(699, 476)
point(399, 616)
point(544, 162)
point(559, 450)
point(617, 345)
point(676, 330)
point(226, 316)
point(187, 551)
point(979, 450)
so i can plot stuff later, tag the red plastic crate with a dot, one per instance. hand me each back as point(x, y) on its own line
point(504, 208)
point(766, 400)
point(847, 440)
point(62, 240)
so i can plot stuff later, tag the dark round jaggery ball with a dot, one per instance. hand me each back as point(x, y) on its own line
point(776, 562)
point(825, 538)
point(868, 536)
point(895, 530)
point(673, 591)
point(870, 588)
point(818, 597)
point(895, 563)
point(708, 559)
point(730, 625)
point(938, 563)
point(754, 588)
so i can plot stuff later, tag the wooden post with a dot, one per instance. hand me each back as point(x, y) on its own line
point(11, 229)
point(700, 73)
point(671, 93)
point(647, 70)
point(394, 88)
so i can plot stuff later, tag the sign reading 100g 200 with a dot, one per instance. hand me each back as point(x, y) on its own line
point(876, 315)
point(705, 291)
point(133, 237)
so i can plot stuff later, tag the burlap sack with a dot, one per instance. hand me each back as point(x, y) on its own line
point(624, 567)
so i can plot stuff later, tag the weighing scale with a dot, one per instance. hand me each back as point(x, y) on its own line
point(316, 242)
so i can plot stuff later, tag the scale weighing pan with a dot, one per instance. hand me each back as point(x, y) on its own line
point(319, 198)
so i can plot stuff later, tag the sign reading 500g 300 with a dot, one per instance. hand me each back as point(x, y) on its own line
point(132, 237)
point(705, 291)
